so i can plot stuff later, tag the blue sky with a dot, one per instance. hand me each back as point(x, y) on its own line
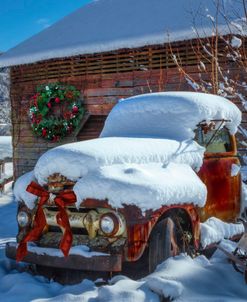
point(20, 19)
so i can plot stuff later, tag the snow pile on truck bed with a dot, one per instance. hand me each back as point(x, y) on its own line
point(147, 186)
point(173, 115)
point(77, 159)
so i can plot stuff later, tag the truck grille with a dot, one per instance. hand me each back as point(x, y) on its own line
point(84, 224)
point(76, 217)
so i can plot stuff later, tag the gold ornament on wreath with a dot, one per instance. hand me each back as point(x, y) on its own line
point(55, 111)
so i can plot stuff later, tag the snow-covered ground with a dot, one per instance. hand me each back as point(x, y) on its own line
point(183, 278)
point(8, 170)
point(6, 151)
point(5, 146)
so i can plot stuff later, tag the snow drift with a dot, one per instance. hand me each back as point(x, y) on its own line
point(5, 146)
point(214, 230)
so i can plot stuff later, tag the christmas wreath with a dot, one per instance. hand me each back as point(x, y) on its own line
point(55, 110)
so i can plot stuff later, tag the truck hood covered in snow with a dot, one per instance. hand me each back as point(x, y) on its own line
point(77, 159)
point(147, 186)
point(124, 170)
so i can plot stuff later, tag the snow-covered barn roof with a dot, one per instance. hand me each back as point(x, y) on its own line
point(106, 25)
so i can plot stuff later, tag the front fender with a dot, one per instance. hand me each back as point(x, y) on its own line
point(138, 232)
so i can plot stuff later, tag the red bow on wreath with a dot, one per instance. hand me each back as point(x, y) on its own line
point(62, 200)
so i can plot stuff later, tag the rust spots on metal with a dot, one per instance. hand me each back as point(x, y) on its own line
point(223, 199)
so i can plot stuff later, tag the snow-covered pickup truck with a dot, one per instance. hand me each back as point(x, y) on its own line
point(164, 163)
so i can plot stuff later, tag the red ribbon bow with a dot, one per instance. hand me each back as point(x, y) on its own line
point(62, 200)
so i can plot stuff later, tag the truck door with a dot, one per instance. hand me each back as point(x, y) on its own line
point(219, 172)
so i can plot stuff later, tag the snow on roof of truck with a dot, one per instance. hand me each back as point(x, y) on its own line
point(107, 25)
point(171, 115)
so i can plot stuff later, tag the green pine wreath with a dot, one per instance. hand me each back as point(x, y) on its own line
point(55, 110)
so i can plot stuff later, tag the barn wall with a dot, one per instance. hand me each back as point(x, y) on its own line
point(101, 85)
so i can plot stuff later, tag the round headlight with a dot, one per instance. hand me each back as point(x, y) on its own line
point(109, 224)
point(23, 219)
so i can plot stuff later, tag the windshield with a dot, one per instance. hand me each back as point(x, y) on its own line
point(214, 138)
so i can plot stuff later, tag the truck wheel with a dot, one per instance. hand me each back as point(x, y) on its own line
point(162, 243)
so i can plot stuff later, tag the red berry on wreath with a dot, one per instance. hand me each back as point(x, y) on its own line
point(44, 132)
point(57, 100)
point(75, 109)
point(49, 105)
